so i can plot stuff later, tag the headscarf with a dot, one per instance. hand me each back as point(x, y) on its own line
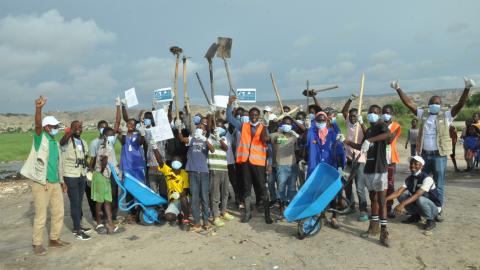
point(322, 133)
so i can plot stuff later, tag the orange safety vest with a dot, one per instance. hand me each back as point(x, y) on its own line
point(251, 148)
point(393, 145)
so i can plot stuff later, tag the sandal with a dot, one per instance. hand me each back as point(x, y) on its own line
point(196, 228)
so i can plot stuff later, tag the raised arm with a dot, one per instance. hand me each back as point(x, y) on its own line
point(124, 113)
point(405, 99)
point(469, 83)
point(158, 157)
point(230, 118)
point(118, 117)
point(39, 103)
point(346, 107)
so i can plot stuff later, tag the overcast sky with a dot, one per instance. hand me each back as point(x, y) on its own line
point(82, 54)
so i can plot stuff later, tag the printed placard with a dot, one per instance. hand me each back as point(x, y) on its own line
point(247, 95)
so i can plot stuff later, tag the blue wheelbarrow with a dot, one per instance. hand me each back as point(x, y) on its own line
point(143, 196)
point(321, 187)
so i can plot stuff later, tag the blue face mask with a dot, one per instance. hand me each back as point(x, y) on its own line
point(373, 117)
point(321, 125)
point(197, 119)
point(434, 108)
point(220, 131)
point(137, 127)
point(176, 165)
point(334, 119)
point(245, 119)
point(386, 117)
point(101, 131)
point(311, 116)
point(147, 122)
point(286, 128)
point(54, 131)
point(111, 139)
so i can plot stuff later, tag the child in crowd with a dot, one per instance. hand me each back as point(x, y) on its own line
point(217, 164)
point(412, 137)
point(471, 142)
point(101, 186)
point(197, 168)
point(375, 146)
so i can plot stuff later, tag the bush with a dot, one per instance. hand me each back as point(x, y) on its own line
point(465, 113)
point(400, 108)
point(473, 101)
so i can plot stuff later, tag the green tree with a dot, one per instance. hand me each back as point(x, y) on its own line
point(473, 101)
point(399, 108)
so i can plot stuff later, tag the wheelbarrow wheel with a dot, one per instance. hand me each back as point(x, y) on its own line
point(148, 217)
point(308, 227)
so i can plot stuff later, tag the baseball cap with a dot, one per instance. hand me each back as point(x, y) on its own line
point(419, 159)
point(268, 109)
point(50, 120)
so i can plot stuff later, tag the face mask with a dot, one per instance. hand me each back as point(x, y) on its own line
point(176, 164)
point(220, 131)
point(334, 119)
point(311, 116)
point(372, 117)
point(101, 131)
point(321, 125)
point(54, 131)
point(197, 119)
point(111, 139)
point(434, 108)
point(199, 132)
point(245, 119)
point(147, 122)
point(386, 117)
point(286, 128)
point(301, 122)
point(137, 127)
point(254, 124)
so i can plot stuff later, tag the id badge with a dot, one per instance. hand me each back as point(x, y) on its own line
point(130, 148)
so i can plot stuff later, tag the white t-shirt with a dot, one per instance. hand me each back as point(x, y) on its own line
point(430, 130)
point(427, 184)
point(351, 137)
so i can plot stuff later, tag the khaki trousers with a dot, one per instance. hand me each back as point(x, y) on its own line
point(43, 197)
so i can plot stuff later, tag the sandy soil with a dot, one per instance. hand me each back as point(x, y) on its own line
point(454, 244)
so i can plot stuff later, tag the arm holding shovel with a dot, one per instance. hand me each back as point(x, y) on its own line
point(230, 118)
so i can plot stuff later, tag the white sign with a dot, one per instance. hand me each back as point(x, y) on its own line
point(247, 95)
point(162, 130)
point(163, 94)
point(131, 97)
point(221, 101)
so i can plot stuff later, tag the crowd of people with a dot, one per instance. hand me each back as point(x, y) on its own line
point(243, 149)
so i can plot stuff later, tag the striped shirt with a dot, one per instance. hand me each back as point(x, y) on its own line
point(217, 161)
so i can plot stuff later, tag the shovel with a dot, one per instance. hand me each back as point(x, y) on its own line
point(209, 55)
point(223, 51)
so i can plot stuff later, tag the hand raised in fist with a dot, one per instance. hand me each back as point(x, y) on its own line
point(40, 102)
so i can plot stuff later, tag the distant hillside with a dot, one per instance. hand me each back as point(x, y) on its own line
point(23, 122)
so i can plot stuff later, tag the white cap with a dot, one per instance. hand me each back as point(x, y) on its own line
point(267, 108)
point(50, 120)
point(419, 159)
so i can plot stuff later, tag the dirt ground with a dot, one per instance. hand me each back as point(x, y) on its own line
point(454, 244)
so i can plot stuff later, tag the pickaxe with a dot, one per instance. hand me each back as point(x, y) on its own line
point(312, 92)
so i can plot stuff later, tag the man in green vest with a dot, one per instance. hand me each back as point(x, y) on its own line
point(44, 167)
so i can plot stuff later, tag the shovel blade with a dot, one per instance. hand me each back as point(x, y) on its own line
point(224, 47)
point(211, 51)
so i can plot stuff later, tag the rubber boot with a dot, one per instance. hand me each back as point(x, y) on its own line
point(246, 212)
point(266, 208)
point(384, 237)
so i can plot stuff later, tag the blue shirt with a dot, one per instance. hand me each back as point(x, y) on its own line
point(319, 152)
point(197, 156)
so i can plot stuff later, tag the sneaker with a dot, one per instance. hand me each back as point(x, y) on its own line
point(81, 235)
point(430, 225)
point(411, 219)
point(86, 230)
point(218, 222)
point(363, 217)
point(39, 250)
point(384, 238)
point(228, 217)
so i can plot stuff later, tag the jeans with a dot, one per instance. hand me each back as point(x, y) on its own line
point(436, 165)
point(360, 186)
point(272, 181)
point(422, 206)
point(199, 188)
point(75, 190)
point(413, 151)
point(286, 176)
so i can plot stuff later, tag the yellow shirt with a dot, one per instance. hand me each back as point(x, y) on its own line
point(175, 183)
